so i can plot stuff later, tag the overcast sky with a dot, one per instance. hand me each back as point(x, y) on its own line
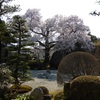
point(81, 8)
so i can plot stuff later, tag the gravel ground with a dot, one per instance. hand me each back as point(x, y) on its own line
point(50, 84)
point(44, 78)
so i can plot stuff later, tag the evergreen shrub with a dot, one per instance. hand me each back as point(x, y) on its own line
point(77, 64)
point(96, 52)
point(85, 88)
point(34, 64)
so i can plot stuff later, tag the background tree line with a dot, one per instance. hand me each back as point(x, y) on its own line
point(59, 33)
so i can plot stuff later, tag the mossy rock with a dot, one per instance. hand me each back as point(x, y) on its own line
point(37, 94)
point(85, 88)
point(21, 89)
point(44, 89)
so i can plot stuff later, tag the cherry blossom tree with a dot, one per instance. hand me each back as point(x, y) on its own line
point(44, 31)
point(73, 35)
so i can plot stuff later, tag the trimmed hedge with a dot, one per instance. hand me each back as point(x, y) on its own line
point(36, 64)
point(77, 64)
point(84, 88)
point(55, 59)
point(86, 82)
point(96, 52)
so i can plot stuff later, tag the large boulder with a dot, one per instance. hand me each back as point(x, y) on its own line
point(37, 94)
point(40, 93)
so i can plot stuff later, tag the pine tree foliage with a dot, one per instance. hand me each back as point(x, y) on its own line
point(19, 53)
point(6, 8)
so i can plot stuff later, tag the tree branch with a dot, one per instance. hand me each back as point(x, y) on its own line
point(40, 33)
point(41, 43)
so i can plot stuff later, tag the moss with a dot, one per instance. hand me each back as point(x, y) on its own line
point(21, 89)
point(54, 93)
point(59, 96)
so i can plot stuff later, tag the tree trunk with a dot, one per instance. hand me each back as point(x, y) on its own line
point(0, 52)
point(47, 55)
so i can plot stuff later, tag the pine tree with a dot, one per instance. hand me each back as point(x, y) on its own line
point(19, 53)
point(5, 9)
